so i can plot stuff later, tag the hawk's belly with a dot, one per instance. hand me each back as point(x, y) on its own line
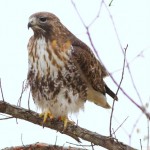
point(55, 82)
point(59, 104)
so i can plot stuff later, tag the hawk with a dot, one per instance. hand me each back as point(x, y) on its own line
point(63, 72)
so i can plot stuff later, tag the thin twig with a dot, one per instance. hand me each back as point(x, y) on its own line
point(56, 140)
point(22, 140)
point(6, 118)
point(133, 83)
point(148, 146)
point(114, 133)
point(119, 126)
point(29, 100)
point(110, 4)
point(110, 16)
point(122, 75)
point(92, 44)
point(1, 91)
point(97, 16)
point(123, 68)
point(118, 121)
point(133, 128)
point(22, 91)
point(141, 144)
point(111, 115)
point(92, 145)
point(5, 115)
point(74, 5)
point(79, 144)
point(16, 120)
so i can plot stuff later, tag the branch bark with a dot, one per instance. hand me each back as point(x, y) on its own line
point(41, 146)
point(74, 131)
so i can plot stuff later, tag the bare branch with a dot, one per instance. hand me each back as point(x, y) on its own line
point(42, 146)
point(74, 131)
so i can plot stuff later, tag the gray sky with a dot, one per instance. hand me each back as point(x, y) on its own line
point(132, 23)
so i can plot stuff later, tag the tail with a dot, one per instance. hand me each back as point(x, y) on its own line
point(98, 98)
point(111, 93)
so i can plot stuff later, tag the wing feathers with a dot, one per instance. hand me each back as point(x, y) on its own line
point(91, 68)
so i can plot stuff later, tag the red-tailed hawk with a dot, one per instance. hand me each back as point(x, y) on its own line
point(63, 71)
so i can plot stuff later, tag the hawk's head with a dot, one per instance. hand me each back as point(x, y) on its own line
point(47, 24)
point(43, 22)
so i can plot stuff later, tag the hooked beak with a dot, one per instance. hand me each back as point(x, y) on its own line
point(32, 22)
point(29, 25)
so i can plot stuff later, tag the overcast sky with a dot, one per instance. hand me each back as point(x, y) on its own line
point(132, 21)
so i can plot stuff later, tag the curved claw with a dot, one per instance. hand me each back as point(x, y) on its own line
point(45, 115)
point(66, 121)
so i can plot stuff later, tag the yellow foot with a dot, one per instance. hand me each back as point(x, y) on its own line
point(66, 121)
point(45, 115)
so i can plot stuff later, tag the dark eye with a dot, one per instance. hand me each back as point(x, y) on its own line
point(43, 19)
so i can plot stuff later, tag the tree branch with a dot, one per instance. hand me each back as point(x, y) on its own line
point(41, 146)
point(74, 131)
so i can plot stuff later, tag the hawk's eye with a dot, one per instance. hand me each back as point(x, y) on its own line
point(43, 19)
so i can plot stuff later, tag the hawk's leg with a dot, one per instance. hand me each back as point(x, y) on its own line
point(45, 115)
point(66, 121)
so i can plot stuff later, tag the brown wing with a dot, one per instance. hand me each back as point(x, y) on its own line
point(93, 70)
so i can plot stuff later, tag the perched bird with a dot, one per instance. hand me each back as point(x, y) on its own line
point(63, 72)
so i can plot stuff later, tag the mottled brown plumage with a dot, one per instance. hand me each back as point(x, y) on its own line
point(63, 71)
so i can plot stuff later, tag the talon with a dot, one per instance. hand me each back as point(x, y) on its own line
point(65, 121)
point(45, 115)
